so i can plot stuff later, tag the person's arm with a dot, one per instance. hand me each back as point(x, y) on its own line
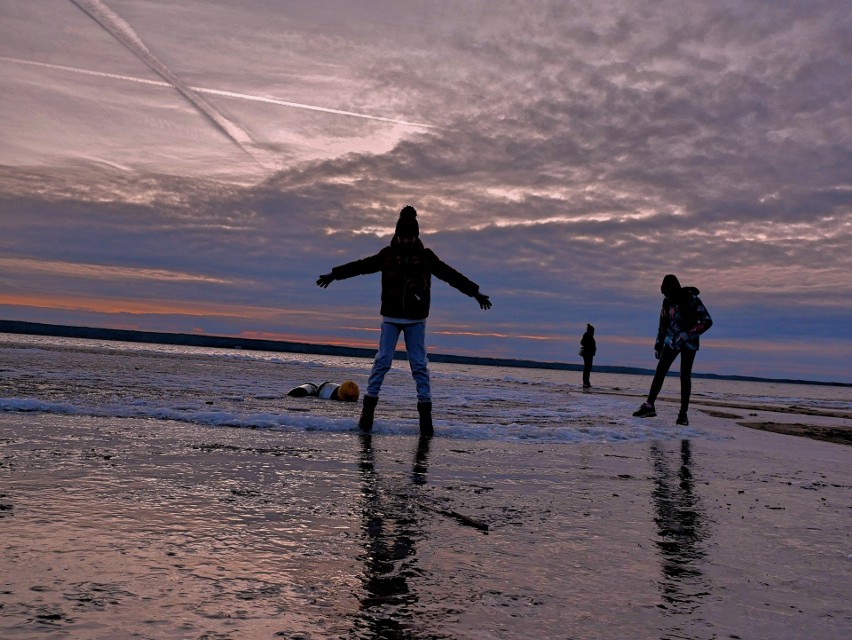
point(371, 264)
point(660, 342)
point(698, 320)
point(455, 279)
point(703, 321)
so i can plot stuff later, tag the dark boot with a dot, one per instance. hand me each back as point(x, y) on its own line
point(367, 412)
point(425, 411)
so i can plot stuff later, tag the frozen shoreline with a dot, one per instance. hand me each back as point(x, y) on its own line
point(161, 529)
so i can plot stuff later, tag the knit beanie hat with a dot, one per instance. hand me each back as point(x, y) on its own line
point(407, 226)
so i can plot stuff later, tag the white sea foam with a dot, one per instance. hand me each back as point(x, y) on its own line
point(531, 426)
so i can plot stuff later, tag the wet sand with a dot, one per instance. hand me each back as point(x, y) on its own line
point(155, 529)
point(828, 426)
point(838, 435)
point(822, 424)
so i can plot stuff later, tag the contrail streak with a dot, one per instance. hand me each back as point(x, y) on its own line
point(297, 105)
point(220, 92)
point(125, 34)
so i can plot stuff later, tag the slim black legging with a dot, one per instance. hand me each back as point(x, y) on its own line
point(667, 357)
point(587, 368)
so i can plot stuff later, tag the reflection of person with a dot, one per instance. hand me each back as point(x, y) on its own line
point(681, 531)
point(683, 318)
point(588, 348)
point(347, 391)
point(407, 268)
point(390, 528)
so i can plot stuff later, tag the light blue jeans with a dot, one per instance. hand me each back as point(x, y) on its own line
point(415, 347)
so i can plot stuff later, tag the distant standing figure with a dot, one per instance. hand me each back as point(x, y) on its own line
point(683, 318)
point(407, 268)
point(588, 348)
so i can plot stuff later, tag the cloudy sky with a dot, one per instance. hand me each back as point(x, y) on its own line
point(194, 165)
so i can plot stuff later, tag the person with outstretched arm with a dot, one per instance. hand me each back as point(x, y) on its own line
point(407, 268)
point(683, 318)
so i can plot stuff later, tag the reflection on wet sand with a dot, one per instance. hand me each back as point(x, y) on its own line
point(390, 527)
point(682, 529)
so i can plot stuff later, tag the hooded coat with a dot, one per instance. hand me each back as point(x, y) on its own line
point(407, 271)
point(588, 346)
point(683, 318)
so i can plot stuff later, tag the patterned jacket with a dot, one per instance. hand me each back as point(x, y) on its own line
point(682, 320)
point(407, 278)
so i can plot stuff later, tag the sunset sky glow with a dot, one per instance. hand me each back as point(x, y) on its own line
point(194, 165)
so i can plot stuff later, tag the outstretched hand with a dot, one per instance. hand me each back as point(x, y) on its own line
point(324, 280)
point(483, 300)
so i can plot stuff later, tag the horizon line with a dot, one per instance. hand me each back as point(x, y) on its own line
point(24, 327)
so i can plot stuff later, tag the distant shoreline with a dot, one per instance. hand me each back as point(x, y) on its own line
point(253, 344)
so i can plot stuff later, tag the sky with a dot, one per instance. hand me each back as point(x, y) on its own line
point(194, 165)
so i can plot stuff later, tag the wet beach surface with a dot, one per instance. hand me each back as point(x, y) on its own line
point(161, 529)
point(157, 492)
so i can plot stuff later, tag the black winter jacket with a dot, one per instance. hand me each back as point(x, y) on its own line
point(407, 272)
point(588, 347)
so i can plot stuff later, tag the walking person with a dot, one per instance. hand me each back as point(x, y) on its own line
point(683, 318)
point(407, 268)
point(588, 348)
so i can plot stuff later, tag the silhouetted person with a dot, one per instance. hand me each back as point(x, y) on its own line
point(683, 318)
point(407, 268)
point(588, 348)
point(347, 391)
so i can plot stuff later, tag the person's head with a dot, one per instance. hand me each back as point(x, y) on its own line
point(407, 228)
point(348, 391)
point(671, 286)
point(590, 328)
